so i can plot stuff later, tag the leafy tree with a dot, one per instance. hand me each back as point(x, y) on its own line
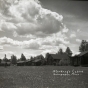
point(13, 59)
point(31, 58)
point(42, 60)
point(46, 56)
point(18, 60)
point(68, 51)
point(60, 51)
point(86, 47)
point(5, 58)
point(23, 58)
point(83, 46)
point(0, 60)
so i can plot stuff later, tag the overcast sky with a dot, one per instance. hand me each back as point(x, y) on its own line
point(36, 27)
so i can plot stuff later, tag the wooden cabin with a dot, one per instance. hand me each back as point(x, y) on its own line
point(28, 62)
point(21, 63)
point(81, 59)
point(75, 61)
point(3, 63)
point(38, 60)
point(57, 59)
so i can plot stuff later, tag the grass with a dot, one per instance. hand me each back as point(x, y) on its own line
point(42, 77)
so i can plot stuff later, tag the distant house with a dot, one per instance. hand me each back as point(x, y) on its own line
point(3, 63)
point(81, 59)
point(58, 59)
point(28, 62)
point(21, 63)
point(38, 60)
point(75, 60)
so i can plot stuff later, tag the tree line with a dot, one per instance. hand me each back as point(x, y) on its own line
point(83, 47)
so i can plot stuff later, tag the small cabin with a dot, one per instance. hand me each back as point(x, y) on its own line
point(81, 59)
point(58, 59)
point(21, 63)
point(75, 61)
point(38, 60)
point(3, 63)
point(28, 62)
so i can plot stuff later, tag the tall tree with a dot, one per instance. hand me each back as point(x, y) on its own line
point(68, 51)
point(60, 51)
point(23, 58)
point(0, 60)
point(13, 59)
point(46, 56)
point(83, 46)
point(31, 58)
point(5, 60)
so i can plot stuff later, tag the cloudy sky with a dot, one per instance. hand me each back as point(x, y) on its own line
point(36, 27)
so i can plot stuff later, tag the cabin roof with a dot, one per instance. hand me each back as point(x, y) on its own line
point(60, 56)
point(55, 56)
point(5, 62)
point(37, 60)
point(20, 61)
point(83, 53)
point(28, 60)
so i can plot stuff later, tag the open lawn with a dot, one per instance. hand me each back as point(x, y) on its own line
point(43, 77)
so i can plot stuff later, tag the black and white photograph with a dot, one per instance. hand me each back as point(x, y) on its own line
point(43, 44)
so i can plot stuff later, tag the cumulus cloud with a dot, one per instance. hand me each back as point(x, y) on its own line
point(52, 49)
point(8, 54)
point(44, 47)
point(48, 42)
point(26, 17)
point(9, 41)
point(31, 44)
point(55, 39)
point(78, 30)
point(62, 46)
point(28, 55)
point(78, 40)
point(73, 35)
point(65, 29)
point(1, 47)
point(75, 53)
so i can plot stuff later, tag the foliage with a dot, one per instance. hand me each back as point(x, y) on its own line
point(60, 51)
point(68, 51)
point(83, 46)
point(0, 60)
point(23, 58)
point(46, 56)
point(43, 62)
point(13, 59)
point(32, 58)
point(5, 58)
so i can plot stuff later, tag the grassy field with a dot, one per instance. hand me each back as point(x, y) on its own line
point(42, 77)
